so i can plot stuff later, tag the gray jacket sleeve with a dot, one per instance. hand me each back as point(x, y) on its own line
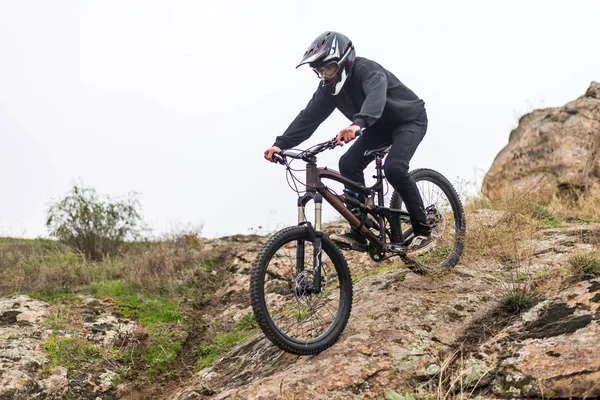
point(375, 85)
point(306, 123)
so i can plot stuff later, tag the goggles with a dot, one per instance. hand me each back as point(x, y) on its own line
point(328, 71)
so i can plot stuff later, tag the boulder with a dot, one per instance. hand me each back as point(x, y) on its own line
point(552, 148)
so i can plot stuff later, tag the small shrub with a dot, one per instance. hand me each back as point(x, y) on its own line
point(585, 266)
point(547, 217)
point(94, 224)
point(517, 300)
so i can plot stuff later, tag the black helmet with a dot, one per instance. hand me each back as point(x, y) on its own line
point(331, 48)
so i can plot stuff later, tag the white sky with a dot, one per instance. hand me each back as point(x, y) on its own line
point(177, 100)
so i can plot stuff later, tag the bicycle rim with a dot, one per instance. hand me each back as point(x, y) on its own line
point(289, 313)
point(444, 213)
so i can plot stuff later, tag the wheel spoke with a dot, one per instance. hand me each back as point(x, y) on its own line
point(300, 314)
point(442, 206)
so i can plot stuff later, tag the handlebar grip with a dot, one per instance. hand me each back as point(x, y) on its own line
point(278, 158)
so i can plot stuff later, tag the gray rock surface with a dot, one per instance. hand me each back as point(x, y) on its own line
point(557, 148)
point(405, 326)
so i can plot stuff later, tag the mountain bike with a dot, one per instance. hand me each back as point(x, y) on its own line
point(301, 288)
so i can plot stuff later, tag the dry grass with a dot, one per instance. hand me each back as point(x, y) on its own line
point(502, 233)
point(585, 265)
point(577, 206)
point(170, 264)
point(44, 266)
point(54, 270)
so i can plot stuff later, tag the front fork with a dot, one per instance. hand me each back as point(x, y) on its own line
point(315, 235)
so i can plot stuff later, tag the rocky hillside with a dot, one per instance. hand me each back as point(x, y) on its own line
point(435, 337)
point(171, 319)
point(555, 147)
point(432, 336)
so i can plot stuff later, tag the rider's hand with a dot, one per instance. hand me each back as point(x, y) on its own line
point(270, 151)
point(347, 135)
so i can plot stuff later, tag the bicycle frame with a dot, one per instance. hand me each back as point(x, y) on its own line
point(316, 190)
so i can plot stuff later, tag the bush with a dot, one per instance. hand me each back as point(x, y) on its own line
point(94, 224)
point(585, 266)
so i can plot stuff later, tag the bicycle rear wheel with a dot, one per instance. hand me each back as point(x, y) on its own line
point(290, 314)
point(445, 215)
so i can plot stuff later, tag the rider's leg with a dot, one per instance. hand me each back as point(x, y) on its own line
point(406, 139)
point(352, 165)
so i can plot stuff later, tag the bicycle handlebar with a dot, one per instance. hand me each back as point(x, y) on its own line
point(309, 153)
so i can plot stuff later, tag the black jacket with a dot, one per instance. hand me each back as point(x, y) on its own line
point(372, 97)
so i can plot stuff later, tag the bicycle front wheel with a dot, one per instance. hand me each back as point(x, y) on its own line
point(445, 215)
point(290, 312)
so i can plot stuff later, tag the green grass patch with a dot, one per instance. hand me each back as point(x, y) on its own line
point(148, 309)
point(247, 323)
point(221, 344)
point(54, 297)
point(159, 317)
point(517, 301)
point(389, 394)
point(60, 317)
point(163, 349)
point(71, 353)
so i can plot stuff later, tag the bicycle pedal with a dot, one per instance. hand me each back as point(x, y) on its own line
point(395, 248)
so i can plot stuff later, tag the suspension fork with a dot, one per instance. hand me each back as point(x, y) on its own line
point(380, 197)
point(315, 236)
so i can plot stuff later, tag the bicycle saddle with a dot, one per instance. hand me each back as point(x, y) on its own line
point(380, 151)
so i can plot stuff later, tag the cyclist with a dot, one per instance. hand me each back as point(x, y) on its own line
point(377, 103)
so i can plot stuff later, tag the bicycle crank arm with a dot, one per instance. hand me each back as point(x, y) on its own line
point(394, 248)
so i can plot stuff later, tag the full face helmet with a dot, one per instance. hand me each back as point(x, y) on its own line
point(331, 55)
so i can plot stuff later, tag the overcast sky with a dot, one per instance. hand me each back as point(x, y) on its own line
point(177, 100)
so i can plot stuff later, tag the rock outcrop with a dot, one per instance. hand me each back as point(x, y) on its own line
point(407, 332)
point(26, 370)
point(404, 328)
point(22, 357)
point(557, 148)
point(551, 351)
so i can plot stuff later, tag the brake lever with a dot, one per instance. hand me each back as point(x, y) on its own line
point(333, 143)
point(278, 158)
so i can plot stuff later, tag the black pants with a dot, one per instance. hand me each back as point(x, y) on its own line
point(404, 139)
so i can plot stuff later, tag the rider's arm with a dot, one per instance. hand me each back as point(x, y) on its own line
point(306, 123)
point(374, 84)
